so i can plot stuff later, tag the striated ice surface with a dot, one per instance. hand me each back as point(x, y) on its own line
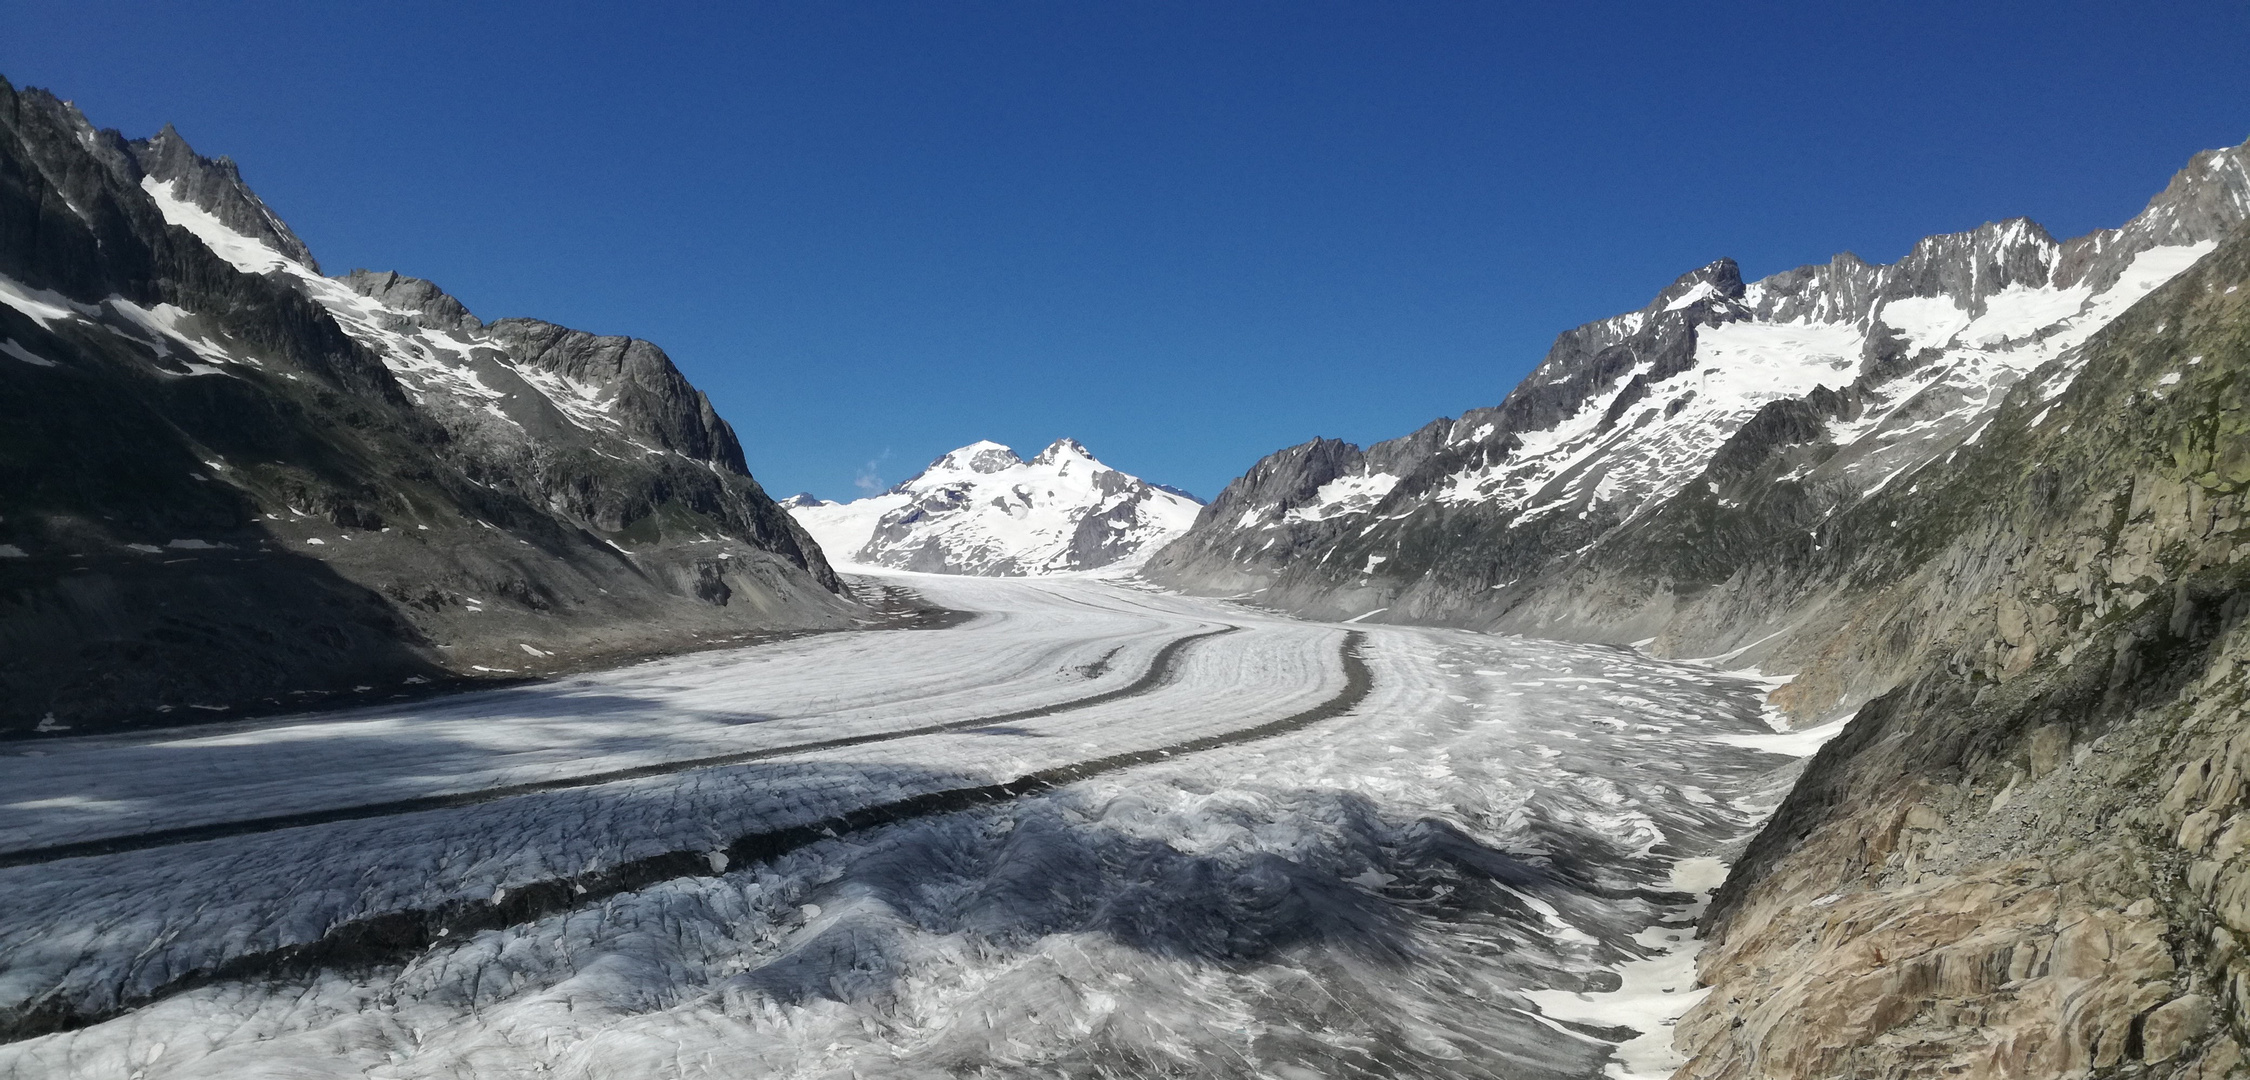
point(1487, 867)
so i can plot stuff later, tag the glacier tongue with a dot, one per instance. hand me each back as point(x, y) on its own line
point(983, 510)
point(1394, 885)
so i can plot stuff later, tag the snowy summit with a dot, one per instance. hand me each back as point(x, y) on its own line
point(983, 510)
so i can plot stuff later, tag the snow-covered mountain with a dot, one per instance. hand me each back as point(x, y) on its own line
point(983, 510)
point(228, 481)
point(1575, 505)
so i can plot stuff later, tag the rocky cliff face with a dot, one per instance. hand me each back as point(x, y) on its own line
point(983, 510)
point(230, 483)
point(2025, 858)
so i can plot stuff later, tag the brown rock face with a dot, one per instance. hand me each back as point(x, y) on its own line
point(2027, 859)
point(2173, 1026)
point(1932, 945)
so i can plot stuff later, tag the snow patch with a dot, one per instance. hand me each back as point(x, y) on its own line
point(1929, 322)
point(1349, 494)
point(43, 306)
point(246, 254)
point(1798, 743)
point(1702, 290)
point(10, 347)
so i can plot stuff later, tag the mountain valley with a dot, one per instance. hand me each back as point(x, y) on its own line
point(1840, 673)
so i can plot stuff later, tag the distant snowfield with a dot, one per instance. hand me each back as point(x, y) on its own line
point(1493, 822)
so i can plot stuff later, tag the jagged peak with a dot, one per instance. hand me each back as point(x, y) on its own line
point(2219, 166)
point(981, 456)
point(1290, 475)
point(2022, 230)
point(2005, 234)
point(2203, 200)
point(215, 186)
point(2214, 184)
point(1061, 448)
point(981, 509)
point(393, 289)
point(166, 136)
point(1720, 278)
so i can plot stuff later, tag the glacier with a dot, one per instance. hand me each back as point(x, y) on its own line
point(1268, 847)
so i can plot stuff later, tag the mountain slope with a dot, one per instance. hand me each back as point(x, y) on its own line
point(231, 483)
point(2025, 856)
point(1610, 496)
point(983, 510)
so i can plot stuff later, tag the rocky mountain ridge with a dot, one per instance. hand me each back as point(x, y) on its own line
point(983, 510)
point(1557, 512)
point(235, 484)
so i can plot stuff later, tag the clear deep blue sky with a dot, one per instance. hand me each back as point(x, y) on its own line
point(1187, 234)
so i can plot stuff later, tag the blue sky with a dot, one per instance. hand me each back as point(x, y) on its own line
point(1187, 234)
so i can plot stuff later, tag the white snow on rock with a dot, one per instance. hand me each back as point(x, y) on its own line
point(982, 510)
point(11, 348)
point(248, 255)
point(1701, 292)
point(1664, 440)
point(1349, 494)
point(42, 306)
point(1636, 440)
point(1655, 990)
point(436, 366)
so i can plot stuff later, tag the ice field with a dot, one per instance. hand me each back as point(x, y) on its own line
point(1096, 830)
